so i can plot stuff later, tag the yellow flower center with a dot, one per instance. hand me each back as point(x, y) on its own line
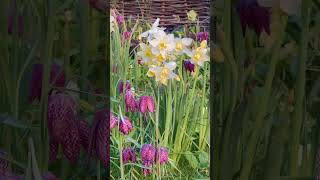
point(162, 45)
point(148, 53)
point(164, 73)
point(160, 58)
point(150, 73)
point(179, 46)
point(197, 57)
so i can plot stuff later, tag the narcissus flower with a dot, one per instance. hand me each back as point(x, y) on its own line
point(128, 154)
point(146, 103)
point(125, 125)
point(130, 101)
point(57, 77)
point(163, 155)
point(153, 31)
point(162, 44)
point(182, 44)
point(253, 16)
point(199, 55)
point(188, 66)
point(164, 73)
point(145, 54)
point(192, 15)
point(148, 154)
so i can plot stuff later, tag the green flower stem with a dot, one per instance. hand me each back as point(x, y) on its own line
point(300, 91)
point(259, 122)
point(47, 55)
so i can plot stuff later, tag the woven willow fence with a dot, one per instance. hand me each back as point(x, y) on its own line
point(171, 12)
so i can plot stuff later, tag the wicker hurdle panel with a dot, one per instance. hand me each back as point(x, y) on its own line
point(171, 12)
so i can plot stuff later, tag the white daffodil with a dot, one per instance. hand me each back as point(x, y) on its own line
point(182, 45)
point(153, 31)
point(111, 23)
point(199, 55)
point(162, 44)
point(291, 7)
point(163, 74)
point(145, 53)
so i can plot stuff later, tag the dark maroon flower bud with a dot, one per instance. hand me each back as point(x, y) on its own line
point(121, 84)
point(125, 125)
point(201, 36)
point(126, 35)
point(57, 77)
point(130, 101)
point(113, 121)
point(49, 176)
point(128, 154)
point(140, 62)
point(11, 21)
point(120, 19)
point(148, 153)
point(188, 66)
point(163, 155)
point(3, 163)
point(99, 5)
point(253, 16)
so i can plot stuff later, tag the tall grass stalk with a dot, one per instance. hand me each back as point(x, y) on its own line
point(300, 89)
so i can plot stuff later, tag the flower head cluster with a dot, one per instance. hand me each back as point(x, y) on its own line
point(150, 155)
point(161, 51)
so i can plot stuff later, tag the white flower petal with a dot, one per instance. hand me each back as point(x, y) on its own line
point(170, 65)
point(156, 23)
point(187, 41)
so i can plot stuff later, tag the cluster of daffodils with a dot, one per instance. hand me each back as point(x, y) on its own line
point(161, 51)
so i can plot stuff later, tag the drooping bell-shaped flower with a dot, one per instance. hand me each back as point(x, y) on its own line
point(253, 16)
point(125, 125)
point(201, 36)
point(99, 138)
point(146, 104)
point(126, 35)
point(84, 133)
point(63, 126)
point(188, 66)
point(163, 155)
point(11, 21)
point(120, 19)
point(113, 121)
point(57, 78)
point(146, 171)
point(148, 153)
point(128, 154)
point(130, 101)
point(121, 88)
